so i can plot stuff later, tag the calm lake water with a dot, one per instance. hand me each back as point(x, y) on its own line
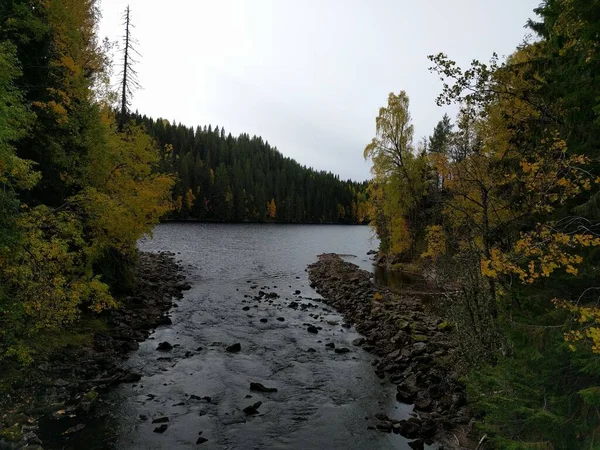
point(323, 398)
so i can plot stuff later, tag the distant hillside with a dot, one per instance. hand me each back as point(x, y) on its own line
point(226, 178)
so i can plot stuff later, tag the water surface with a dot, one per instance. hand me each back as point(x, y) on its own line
point(323, 398)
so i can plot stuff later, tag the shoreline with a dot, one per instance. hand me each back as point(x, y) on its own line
point(413, 349)
point(250, 222)
point(68, 381)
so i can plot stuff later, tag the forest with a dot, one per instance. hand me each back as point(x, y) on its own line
point(83, 181)
point(244, 179)
point(501, 208)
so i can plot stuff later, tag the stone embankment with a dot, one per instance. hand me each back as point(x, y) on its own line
point(67, 383)
point(413, 349)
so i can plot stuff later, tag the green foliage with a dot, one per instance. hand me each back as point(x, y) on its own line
point(510, 205)
point(68, 231)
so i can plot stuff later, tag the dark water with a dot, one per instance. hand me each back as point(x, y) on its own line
point(323, 397)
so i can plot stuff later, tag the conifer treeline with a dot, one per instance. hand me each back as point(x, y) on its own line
point(226, 178)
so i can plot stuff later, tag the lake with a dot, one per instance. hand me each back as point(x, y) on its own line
point(323, 399)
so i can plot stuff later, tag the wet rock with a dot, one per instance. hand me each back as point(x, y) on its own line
point(263, 320)
point(234, 348)
point(160, 420)
point(252, 409)
point(201, 440)
point(312, 329)
point(297, 292)
point(358, 341)
point(246, 308)
point(428, 429)
point(311, 350)
point(342, 350)
point(69, 431)
point(258, 387)
point(164, 347)
point(409, 429)
point(293, 305)
point(330, 345)
point(281, 319)
point(161, 429)
point(385, 426)
point(164, 320)
point(417, 445)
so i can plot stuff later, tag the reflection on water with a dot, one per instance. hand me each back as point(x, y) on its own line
point(394, 279)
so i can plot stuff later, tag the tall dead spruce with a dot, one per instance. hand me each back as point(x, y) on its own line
point(128, 75)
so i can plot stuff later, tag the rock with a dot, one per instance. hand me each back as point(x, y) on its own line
point(311, 350)
point(404, 396)
point(385, 426)
point(423, 404)
point(71, 430)
point(234, 348)
point(330, 345)
point(263, 320)
point(160, 420)
point(409, 429)
point(162, 428)
point(312, 329)
point(252, 409)
point(164, 320)
point(358, 341)
point(258, 387)
point(246, 308)
point(417, 445)
point(428, 429)
point(297, 292)
point(444, 326)
point(201, 440)
point(418, 348)
point(342, 350)
point(293, 305)
point(164, 347)
point(281, 319)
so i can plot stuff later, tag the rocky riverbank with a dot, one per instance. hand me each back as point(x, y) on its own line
point(67, 383)
point(413, 349)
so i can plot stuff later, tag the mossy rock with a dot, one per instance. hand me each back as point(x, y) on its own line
point(420, 338)
point(12, 434)
point(91, 395)
point(444, 326)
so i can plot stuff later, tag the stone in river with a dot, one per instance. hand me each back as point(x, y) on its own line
point(164, 347)
point(252, 409)
point(160, 420)
point(342, 350)
point(234, 348)
point(261, 388)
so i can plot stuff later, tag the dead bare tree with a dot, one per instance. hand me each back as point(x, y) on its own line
point(129, 78)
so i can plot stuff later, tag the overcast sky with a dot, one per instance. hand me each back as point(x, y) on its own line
point(307, 75)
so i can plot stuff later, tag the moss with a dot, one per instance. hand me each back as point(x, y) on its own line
point(444, 326)
point(91, 395)
point(12, 434)
point(420, 338)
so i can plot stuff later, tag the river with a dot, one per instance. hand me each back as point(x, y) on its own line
point(324, 400)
